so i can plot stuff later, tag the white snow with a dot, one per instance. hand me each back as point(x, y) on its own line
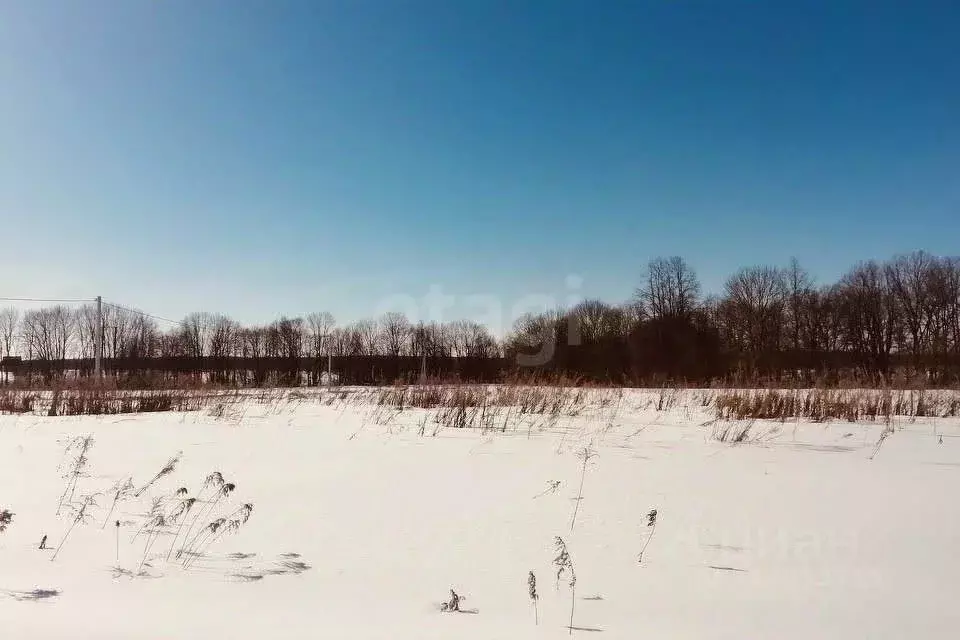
point(794, 534)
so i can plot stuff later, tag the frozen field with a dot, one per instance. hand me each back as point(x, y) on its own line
point(364, 517)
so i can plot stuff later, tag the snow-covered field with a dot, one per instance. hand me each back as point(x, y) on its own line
point(364, 518)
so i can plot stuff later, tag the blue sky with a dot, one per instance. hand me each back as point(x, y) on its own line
point(259, 158)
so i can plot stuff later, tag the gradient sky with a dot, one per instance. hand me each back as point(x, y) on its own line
point(267, 157)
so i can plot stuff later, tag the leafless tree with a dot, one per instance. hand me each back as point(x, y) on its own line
point(535, 336)
point(48, 333)
point(458, 333)
point(467, 338)
point(9, 323)
point(430, 339)
point(480, 342)
point(799, 287)
point(597, 321)
point(909, 279)
point(946, 294)
point(142, 338)
point(340, 341)
point(394, 333)
point(290, 334)
point(869, 309)
point(253, 342)
point(671, 289)
point(86, 326)
point(118, 327)
point(126, 332)
point(365, 338)
point(223, 335)
point(171, 344)
point(319, 326)
point(818, 317)
point(755, 299)
point(195, 333)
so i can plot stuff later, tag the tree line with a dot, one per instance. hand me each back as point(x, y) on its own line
point(289, 350)
point(900, 316)
point(60, 332)
point(880, 319)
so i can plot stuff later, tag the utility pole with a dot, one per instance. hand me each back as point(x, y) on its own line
point(98, 344)
point(326, 342)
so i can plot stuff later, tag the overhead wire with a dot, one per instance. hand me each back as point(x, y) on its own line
point(106, 303)
point(14, 299)
point(142, 313)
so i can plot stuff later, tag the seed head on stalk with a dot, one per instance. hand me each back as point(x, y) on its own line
point(565, 570)
point(652, 525)
point(532, 592)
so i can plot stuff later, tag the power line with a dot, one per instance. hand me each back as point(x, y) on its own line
point(179, 323)
point(79, 300)
point(6, 299)
point(142, 313)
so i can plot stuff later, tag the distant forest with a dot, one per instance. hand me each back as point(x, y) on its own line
point(770, 324)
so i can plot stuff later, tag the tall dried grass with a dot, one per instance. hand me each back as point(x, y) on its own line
point(822, 405)
point(488, 408)
point(81, 401)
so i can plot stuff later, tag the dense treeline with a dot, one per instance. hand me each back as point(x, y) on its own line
point(60, 332)
point(289, 351)
point(769, 323)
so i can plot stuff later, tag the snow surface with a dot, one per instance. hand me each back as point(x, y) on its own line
point(795, 533)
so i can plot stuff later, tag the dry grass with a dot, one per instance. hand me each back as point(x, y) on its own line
point(487, 408)
point(16, 401)
point(93, 401)
point(822, 405)
point(528, 404)
point(535, 400)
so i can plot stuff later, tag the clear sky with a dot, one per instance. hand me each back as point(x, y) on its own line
point(267, 157)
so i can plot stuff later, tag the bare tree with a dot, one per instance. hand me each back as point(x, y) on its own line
point(48, 333)
point(319, 326)
point(671, 289)
point(195, 333)
point(458, 333)
point(469, 339)
point(290, 333)
point(947, 297)
point(171, 344)
point(9, 323)
point(818, 317)
point(340, 341)
point(223, 335)
point(598, 321)
point(366, 338)
point(909, 278)
point(869, 309)
point(86, 325)
point(430, 339)
point(142, 339)
point(480, 342)
point(394, 333)
point(118, 327)
point(755, 302)
point(533, 341)
point(126, 332)
point(799, 286)
point(253, 342)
